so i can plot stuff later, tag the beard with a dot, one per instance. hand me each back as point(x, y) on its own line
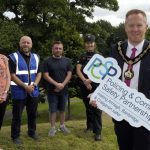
point(25, 50)
point(57, 54)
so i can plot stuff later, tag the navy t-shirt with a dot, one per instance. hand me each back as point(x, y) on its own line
point(57, 69)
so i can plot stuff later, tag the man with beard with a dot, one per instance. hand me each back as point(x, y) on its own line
point(57, 73)
point(25, 76)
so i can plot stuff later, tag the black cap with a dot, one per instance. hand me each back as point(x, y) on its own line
point(89, 38)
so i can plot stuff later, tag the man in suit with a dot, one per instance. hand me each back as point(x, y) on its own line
point(136, 75)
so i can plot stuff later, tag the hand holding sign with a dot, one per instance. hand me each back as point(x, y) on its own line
point(113, 96)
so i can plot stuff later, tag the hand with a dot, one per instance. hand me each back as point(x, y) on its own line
point(89, 87)
point(87, 82)
point(93, 103)
point(56, 90)
point(3, 97)
point(29, 88)
point(89, 96)
point(59, 86)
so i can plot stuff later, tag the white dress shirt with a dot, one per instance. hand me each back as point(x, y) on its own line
point(136, 67)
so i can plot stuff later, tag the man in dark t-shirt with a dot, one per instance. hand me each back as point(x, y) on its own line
point(57, 72)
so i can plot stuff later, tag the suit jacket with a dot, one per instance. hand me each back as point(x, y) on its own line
point(144, 72)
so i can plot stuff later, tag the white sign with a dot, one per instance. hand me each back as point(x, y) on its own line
point(113, 96)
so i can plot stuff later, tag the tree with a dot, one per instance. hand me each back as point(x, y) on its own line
point(148, 34)
point(44, 19)
point(120, 34)
point(9, 35)
point(48, 20)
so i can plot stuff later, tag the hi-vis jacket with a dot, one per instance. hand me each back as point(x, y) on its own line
point(24, 74)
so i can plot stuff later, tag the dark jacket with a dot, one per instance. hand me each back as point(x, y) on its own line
point(144, 72)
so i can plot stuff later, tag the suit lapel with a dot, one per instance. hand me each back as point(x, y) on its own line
point(142, 66)
point(124, 50)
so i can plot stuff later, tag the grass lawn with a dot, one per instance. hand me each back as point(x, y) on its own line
point(76, 140)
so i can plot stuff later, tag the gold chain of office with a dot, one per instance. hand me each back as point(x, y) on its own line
point(136, 59)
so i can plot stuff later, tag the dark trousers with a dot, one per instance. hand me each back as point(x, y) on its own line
point(2, 112)
point(131, 138)
point(31, 104)
point(93, 115)
point(97, 120)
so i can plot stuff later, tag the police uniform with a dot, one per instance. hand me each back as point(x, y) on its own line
point(93, 115)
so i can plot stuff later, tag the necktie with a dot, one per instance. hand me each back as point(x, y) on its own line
point(130, 66)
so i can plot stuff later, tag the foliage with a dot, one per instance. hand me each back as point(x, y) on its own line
point(10, 34)
point(120, 34)
point(148, 34)
point(105, 30)
point(86, 6)
point(45, 20)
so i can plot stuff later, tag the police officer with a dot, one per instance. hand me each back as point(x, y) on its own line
point(93, 115)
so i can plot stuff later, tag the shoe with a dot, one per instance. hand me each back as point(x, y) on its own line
point(97, 137)
point(34, 137)
point(17, 141)
point(52, 132)
point(64, 129)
